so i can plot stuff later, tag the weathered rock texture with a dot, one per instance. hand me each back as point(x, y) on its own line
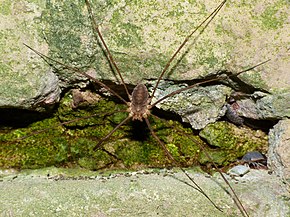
point(51, 192)
point(142, 37)
point(279, 154)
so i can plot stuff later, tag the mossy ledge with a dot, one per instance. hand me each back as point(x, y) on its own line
point(130, 147)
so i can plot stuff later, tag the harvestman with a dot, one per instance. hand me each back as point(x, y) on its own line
point(139, 104)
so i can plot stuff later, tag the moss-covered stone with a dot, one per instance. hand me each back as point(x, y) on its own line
point(61, 141)
point(230, 142)
point(51, 142)
point(142, 38)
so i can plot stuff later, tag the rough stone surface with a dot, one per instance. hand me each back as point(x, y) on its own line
point(267, 107)
point(197, 106)
point(52, 192)
point(238, 170)
point(235, 141)
point(142, 37)
point(26, 82)
point(279, 150)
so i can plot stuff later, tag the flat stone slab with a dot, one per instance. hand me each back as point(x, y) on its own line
point(53, 192)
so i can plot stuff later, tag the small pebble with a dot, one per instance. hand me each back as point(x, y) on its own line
point(239, 170)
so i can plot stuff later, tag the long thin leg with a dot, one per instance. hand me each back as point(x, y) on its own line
point(97, 146)
point(64, 123)
point(203, 82)
point(234, 196)
point(78, 71)
point(210, 18)
point(58, 125)
point(167, 153)
point(95, 26)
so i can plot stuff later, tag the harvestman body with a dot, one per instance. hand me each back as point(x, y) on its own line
point(140, 100)
point(139, 107)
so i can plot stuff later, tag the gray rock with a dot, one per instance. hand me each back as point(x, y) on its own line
point(26, 82)
point(232, 115)
point(198, 106)
point(239, 170)
point(51, 192)
point(37, 92)
point(279, 151)
point(268, 107)
point(234, 141)
point(142, 38)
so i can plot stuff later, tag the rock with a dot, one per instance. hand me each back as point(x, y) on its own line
point(232, 115)
point(198, 106)
point(279, 151)
point(234, 141)
point(238, 170)
point(67, 192)
point(142, 38)
point(266, 107)
point(26, 82)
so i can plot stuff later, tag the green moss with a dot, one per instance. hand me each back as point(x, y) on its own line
point(254, 79)
point(73, 144)
point(271, 18)
point(131, 146)
point(65, 24)
point(219, 29)
point(5, 8)
point(207, 56)
point(130, 37)
point(177, 11)
point(229, 142)
point(68, 33)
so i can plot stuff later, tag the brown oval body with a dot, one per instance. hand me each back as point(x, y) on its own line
point(139, 102)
